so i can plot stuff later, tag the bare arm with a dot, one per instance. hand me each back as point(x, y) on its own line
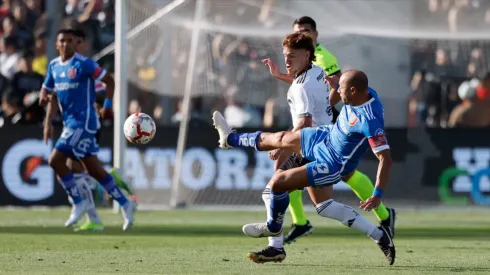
point(109, 82)
point(285, 77)
point(52, 109)
point(334, 96)
point(106, 111)
point(275, 72)
point(382, 177)
point(384, 167)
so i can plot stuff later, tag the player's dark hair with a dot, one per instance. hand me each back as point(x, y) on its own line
point(67, 31)
point(300, 41)
point(305, 20)
point(80, 34)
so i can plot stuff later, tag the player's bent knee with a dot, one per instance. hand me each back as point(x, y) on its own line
point(277, 181)
point(274, 182)
point(55, 160)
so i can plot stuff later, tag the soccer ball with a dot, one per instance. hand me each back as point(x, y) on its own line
point(139, 128)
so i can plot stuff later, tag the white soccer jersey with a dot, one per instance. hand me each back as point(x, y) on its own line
point(308, 96)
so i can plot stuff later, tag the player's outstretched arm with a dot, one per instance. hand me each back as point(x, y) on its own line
point(333, 81)
point(382, 178)
point(274, 70)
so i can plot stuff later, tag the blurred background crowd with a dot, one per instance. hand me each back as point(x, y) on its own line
point(447, 79)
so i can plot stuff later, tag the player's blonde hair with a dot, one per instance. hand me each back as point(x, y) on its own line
point(298, 41)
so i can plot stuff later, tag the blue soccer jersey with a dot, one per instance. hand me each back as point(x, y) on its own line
point(74, 82)
point(337, 149)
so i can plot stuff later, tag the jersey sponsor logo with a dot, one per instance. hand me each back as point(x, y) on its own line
point(65, 86)
point(72, 72)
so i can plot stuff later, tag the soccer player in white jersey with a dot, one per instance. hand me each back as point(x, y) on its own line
point(72, 77)
point(334, 152)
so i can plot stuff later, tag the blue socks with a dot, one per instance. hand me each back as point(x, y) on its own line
point(111, 187)
point(243, 140)
point(279, 204)
point(71, 188)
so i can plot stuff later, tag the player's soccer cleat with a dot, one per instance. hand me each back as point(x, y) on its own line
point(91, 227)
point(77, 211)
point(223, 128)
point(268, 254)
point(128, 214)
point(387, 246)
point(259, 230)
point(298, 231)
point(390, 222)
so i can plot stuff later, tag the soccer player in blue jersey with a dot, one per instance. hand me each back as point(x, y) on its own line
point(334, 152)
point(72, 77)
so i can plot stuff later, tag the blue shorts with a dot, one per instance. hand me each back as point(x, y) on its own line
point(77, 143)
point(321, 171)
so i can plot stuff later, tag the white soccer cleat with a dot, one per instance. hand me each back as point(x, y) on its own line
point(128, 214)
point(259, 230)
point(77, 211)
point(223, 128)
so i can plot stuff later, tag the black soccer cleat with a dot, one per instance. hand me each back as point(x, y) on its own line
point(389, 223)
point(268, 254)
point(387, 246)
point(298, 231)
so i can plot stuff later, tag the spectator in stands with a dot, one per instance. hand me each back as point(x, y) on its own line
point(4, 9)
point(34, 10)
point(195, 117)
point(8, 57)
point(40, 61)
point(472, 112)
point(239, 114)
point(26, 80)
point(21, 15)
point(11, 28)
point(11, 110)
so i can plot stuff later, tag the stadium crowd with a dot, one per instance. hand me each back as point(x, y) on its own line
point(241, 83)
point(23, 58)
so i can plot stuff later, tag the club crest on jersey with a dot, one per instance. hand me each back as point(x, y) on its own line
point(72, 72)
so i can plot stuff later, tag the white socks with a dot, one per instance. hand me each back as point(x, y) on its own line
point(276, 242)
point(86, 192)
point(348, 217)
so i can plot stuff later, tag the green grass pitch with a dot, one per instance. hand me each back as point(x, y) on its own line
point(211, 242)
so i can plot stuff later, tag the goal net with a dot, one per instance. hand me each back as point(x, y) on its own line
point(389, 40)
